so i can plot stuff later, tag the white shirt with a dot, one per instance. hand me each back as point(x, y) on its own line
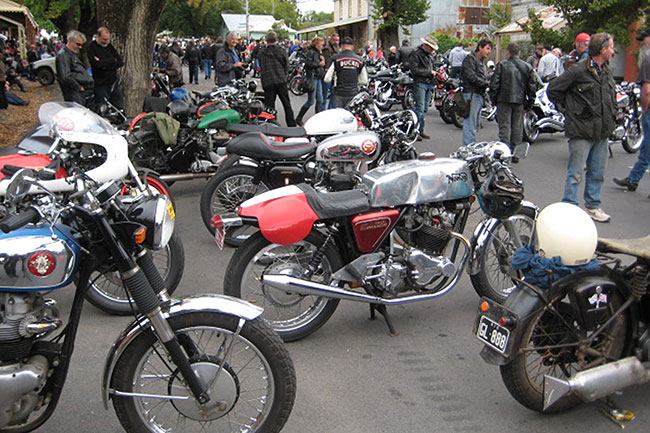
point(549, 65)
point(456, 56)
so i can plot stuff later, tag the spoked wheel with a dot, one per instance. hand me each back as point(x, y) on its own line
point(254, 390)
point(107, 293)
point(408, 103)
point(531, 131)
point(494, 279)
point(291, 315)
point(633, 137)
point(554, 344)
point(224, 192)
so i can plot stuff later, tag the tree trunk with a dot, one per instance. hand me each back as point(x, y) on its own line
point(133, 25)
point(389, 36)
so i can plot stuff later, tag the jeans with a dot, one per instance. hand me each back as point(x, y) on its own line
point(423, 94)
point(643, 161)
point(510, 118)
point(316, 94)
point(207, 68)
point(593, 154)
point(471, 123)
point(194, 72)
point(328, 91)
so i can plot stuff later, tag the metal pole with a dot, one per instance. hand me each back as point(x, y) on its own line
point(247, 32)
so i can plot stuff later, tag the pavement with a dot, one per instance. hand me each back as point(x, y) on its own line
point(354, 377)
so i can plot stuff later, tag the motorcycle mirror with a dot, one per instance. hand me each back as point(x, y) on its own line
point(19, 185)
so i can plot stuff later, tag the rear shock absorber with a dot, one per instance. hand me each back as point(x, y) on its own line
point(316, 259)
point(639, 281)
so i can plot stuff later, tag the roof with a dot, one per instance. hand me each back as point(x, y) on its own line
point(256, 23)
point(339, 23)
point(551, 19)
point(9, 6)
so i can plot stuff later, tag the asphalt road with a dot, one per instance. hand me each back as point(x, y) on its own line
point(353, 376)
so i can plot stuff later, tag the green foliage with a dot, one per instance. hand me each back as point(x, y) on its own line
point(282, 33)
point(499, 15)
point(447, 42)
point(49, 14)
point(393, 14)
point(312, 19)
point(538, 34)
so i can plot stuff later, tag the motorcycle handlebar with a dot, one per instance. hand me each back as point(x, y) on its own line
point(14, 222)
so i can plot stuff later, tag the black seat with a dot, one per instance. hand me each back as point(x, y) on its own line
point(258, 146)
point(267, 129)
point(201, 95)
point(335, 204)
point(638, 247)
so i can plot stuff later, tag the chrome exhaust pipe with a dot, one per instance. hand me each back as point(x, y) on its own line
point(550, 123)
point(597, 382)
point(184, 176)
point(312, 288)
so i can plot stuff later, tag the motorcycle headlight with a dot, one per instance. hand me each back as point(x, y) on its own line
point(157, 215)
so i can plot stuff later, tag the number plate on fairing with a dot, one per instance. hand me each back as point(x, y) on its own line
point(492, 334)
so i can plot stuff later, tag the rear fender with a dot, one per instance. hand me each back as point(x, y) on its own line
point(284, 215)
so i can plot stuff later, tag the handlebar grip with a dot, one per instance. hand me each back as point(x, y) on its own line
point(14, 222)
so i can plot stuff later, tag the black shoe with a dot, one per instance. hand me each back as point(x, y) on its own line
point(425, 136)
point(626, 182)
point(515, 159)
point(419, 138)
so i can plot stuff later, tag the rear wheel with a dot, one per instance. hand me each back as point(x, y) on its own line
point(456, 118)
point(408, 103)
point(45, 76)
point(531, 131)
point(294, 85)
point(494, 279)
point(447, 109)
point(554, 344)
point(633, 137)
point(291, 315)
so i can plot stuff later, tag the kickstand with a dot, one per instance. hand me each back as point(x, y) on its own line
point(381, 308)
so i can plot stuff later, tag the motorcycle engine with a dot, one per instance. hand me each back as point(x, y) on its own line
point(24, 318)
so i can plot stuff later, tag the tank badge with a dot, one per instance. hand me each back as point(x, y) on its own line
point(457, 177)
point(368, 146)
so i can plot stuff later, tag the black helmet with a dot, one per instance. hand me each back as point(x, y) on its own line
point(179, 110)
point(501, 195)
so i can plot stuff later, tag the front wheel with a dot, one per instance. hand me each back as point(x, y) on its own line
point(456, 118)
point(224, 192)
point(291, 315)
point(254, 391)
point(408, 103)
point(295, 85)
point(107, 293)
point(531, 131)
point(633, 137)
point(550, 346)
point(447, 109)
point(494, 279)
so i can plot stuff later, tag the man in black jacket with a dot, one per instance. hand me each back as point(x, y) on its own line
point(586, 93)
point(345, 73)
point(76, 85)
point(193, 57)
point(105, 61)
point(474, 75)
point(421, 66)
point(228, 65)
point(273, 71)
point(513, 84)
point(330, 49)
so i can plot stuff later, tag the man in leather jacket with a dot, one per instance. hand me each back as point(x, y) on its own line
point(586, 93)
point(76, 85)
point(421, 67)
point(229, 65)
point(273, 70)
point(513, 85)
point(475, 82)
point(331, 48)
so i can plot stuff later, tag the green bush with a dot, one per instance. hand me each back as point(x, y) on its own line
point(446, 42)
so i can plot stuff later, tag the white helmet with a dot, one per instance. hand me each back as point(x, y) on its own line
point(567, 231)
point(490, 64)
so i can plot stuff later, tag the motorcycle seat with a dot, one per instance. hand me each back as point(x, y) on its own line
point(637, 247)
point(201, 95)
point(258, 146)
point(267, 129)
point(335, 204)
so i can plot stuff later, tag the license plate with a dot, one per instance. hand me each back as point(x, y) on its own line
point(492, 334)
point(220, 235)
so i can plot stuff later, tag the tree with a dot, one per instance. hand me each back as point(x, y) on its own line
point(65, 15)
point(134, 35)
point(391, 15)
point(312, 19)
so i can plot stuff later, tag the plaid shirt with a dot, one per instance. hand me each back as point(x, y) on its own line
point(273, 65)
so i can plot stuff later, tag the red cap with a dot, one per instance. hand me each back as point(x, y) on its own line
point(582, 37)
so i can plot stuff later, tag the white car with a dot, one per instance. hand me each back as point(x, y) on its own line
point(45, 70)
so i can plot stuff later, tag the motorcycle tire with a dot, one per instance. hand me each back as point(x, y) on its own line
point(456, 118)
point(633, 138)
point(524, 375)
point(531, 132)
point(447, 109)
point(107, 293)
point(408, 103)
point(257, 382)
point(291, 315)
point(494, 277)
point(295, 85)
point(224, 192)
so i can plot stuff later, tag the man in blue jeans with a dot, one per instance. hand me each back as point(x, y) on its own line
point(632, 180)
point(475, 82)
point(421, 67)
point(586, 93)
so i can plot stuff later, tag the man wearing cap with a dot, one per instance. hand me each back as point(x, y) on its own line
point(345, 73)
point(475, 82)
point(421, 67)
point(643, 161)
point(582, 46)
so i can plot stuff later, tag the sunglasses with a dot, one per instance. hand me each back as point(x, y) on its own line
point(79, 44)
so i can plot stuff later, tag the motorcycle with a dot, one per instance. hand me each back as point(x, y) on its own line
point(101, 152)
point(332, 164)
point(543, 117)
point(392, 86)
point(628, 117)
point(295, 76)
point(582, 338)
point(397, 238)
point(205, 361)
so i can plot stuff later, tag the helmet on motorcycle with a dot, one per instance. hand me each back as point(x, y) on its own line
point(565, 230)
point(178, 94)
point(252, 86)
point(501, 195)
point(179, 110)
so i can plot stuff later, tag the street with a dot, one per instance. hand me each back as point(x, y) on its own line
point(354, 377)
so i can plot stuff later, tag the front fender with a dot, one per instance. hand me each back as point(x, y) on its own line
point(191, 304)
point(481, 235)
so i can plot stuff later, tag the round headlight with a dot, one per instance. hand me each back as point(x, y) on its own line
point(157, 214)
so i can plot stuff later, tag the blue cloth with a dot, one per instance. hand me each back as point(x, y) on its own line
point(541, 271)
point(15, 100)
point(642, 163)
point(472, 123)
point(423, 93)
point(236, 54)
point(207, 68)
point(317, 94)
point(592, 154)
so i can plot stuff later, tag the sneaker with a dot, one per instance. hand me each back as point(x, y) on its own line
point(425, 136)
point(626, 182)
point(599, 215)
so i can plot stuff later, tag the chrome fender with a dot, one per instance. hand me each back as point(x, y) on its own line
point(191, 304)
point(481, 235)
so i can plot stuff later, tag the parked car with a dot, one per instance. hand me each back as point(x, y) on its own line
point(45, 70)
